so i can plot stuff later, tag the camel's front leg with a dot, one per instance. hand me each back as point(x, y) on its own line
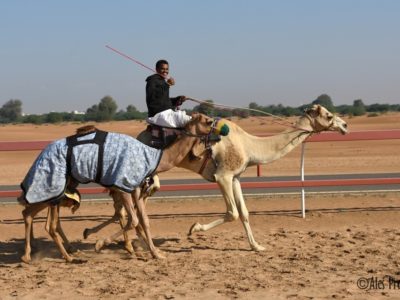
point(123, 222)
point(144, 222)
point(244, 215)
point(145, 192)
point(28, 214)
point(132, 221)
point(60, 231)
point(141, 235)
point(118, 210)
point(28, 219)
point(121, 216)
point(53, 230)
point(225, 184)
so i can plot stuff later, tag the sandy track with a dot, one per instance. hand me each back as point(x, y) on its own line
point(343, 238)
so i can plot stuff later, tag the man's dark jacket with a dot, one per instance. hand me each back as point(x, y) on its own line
point(157, 95)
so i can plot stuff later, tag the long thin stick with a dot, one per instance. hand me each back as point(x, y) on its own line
point(199, 101)
point(229, 107)
point(130, 58)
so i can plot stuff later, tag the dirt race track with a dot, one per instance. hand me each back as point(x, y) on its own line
point(347, 247)
point(342, 240)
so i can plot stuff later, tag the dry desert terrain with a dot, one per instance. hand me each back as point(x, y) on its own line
point(347, 247)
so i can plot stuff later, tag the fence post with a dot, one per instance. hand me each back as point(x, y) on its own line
point(303, 193)
point(258, 170)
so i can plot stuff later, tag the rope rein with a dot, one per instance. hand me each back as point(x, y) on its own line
point(228, 107)
point(281, 121)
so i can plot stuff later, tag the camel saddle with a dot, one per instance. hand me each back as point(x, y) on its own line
point(162, 137)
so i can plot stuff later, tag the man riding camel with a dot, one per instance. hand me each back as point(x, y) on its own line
point(163, 110)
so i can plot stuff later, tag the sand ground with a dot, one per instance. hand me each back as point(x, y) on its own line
point(344, 240)
point(347, 247)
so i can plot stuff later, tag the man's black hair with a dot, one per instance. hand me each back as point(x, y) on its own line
point(161, 62)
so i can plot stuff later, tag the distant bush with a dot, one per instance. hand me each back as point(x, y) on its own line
point(106, 110)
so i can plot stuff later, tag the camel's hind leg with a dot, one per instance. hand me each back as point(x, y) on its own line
point(244, 215)
point(28, 214)
point(232, 214)
point(236, 207)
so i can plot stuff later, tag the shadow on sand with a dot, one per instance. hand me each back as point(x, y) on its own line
point(12, 250)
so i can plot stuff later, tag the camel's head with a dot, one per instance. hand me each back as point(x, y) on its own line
point(202, 125)
point(322, 119)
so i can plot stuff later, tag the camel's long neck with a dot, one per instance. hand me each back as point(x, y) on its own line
point(175, 153)
point(249, 149)
point(263, 150)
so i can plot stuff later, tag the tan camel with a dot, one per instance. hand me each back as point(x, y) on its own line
point(239, 149)
point(234, 153)
point(200, 125)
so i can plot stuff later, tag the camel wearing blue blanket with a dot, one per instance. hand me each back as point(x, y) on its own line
point(113, 160)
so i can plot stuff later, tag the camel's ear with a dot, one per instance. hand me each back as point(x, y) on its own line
point(314, 111)
point(198, 149)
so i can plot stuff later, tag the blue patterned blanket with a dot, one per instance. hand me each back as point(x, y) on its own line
point(126, 163)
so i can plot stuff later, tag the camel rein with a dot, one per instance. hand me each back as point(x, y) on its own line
point(206, 139)
point(282, 121)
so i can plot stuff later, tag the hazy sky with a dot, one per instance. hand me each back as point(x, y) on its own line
point(53, 55)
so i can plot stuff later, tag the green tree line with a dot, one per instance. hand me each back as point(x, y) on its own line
point(107, 110)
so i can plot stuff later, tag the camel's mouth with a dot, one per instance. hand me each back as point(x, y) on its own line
point(340, 125)
point(343, 129)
